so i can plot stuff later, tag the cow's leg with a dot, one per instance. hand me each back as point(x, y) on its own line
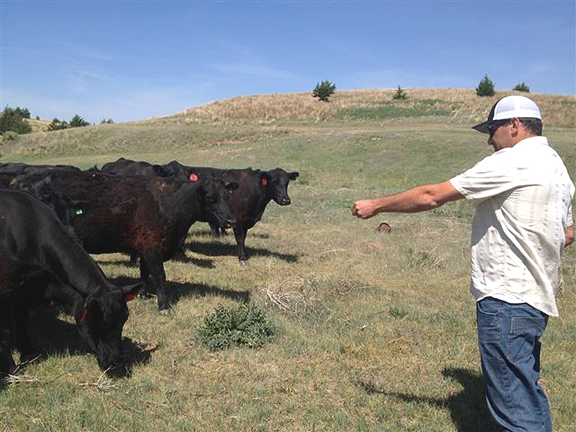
point(156, 280)
point(240, 234)
point(149, 289)
point(20, 318)
point(180, 255)
point(215, 229)
point(133, 259)
point(7, 365)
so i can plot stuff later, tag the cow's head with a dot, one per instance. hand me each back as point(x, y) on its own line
point(213, 196)
point(100, 321)
point(276, 183)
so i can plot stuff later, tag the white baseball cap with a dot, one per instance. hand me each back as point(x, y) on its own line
point(510, 107)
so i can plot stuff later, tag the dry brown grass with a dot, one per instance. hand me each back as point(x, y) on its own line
point(558, 111)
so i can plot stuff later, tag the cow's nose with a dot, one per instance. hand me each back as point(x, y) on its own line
point(286, 201)
point(230, 222)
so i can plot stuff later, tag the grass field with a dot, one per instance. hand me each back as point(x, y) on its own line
point(375, 331)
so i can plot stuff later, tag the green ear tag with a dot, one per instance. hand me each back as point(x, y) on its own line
point(78, 212)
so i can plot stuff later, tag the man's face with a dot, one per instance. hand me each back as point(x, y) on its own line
point(499, 135)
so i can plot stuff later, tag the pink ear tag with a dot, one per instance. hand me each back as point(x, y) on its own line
point(264, 181)
point(193, 177)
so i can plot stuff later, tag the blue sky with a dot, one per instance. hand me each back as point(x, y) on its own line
point(132, 60)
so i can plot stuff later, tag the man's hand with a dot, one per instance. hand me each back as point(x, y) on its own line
point(364, 209)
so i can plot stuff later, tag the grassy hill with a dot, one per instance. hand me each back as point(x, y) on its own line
point(376, 331)
point(245, 119)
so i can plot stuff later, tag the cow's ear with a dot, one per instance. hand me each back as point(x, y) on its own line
point(232, 186)
point(293, 175)
point(130, 291)
point(92, 309)
point(264, 178)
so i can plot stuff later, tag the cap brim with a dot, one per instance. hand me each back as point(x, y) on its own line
point(482, 127)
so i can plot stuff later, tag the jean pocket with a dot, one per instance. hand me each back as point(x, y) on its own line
point(523, 337)
point(487, 311)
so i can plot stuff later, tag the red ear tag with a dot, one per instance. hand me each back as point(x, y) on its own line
point(264, 181)
point(84, 315)
point(193, 177)
point(130, 297)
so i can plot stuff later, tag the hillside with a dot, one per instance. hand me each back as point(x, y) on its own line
point(251, 118)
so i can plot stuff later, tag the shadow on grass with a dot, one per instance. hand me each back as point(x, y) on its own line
point(51, 336)
point(225, 249)
point(204, 263)
point(467, 408)
point(177, 290)
point(206, 233)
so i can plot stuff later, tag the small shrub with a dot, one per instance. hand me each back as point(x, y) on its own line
point(245, 325)
point(397, 312)
point(522, 87)
point(9, 136)
point(485, 87)
point(78, 121)
point(400, 94)
point(324, 90)
point(58, 125)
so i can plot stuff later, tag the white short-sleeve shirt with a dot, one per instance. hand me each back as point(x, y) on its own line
point(523, 198)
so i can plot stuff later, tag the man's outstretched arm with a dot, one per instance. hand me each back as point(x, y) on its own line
point(417, 199)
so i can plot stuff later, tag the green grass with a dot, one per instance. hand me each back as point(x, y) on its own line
point(374, 331)
point(401, 109)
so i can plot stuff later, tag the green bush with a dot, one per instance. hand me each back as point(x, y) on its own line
point(58, 125)
point(12, 119)
point(324, 90)
point(485, 87)
point(522, 87)
point(78, 121)
point(245, 325)
point(400, 94)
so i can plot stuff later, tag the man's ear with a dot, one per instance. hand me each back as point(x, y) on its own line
point(516, 125)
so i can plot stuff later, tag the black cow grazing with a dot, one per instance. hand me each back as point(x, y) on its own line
point(256, 189)
point(41, 261)
point(146, 216)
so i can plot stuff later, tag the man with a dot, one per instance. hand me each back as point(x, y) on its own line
point(523, 220)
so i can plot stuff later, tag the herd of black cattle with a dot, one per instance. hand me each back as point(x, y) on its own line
point(53, 217)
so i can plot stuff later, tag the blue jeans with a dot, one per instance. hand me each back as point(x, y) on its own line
point(508, 338)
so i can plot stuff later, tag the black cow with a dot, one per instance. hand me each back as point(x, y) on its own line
point(133, 168)
point(146, 216)
point(41, 261)
point(256, 189)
